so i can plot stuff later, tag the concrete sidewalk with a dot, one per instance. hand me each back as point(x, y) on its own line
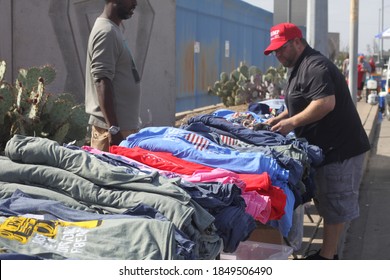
point(368, 236)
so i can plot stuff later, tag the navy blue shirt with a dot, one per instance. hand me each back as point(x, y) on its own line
point(340, 134)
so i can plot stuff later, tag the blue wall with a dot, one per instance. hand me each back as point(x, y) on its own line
point(211, 23)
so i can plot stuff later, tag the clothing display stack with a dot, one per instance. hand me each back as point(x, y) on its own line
point(221, 141)
point(163, 193)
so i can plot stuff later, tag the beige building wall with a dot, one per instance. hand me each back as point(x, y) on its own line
point(55, 32)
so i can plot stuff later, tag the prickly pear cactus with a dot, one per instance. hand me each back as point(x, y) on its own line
point(2, 70)
point(26, 108)
point(245, 85)
point(239, 87)
point(6, 101)
point(275, 79)
point(77, 120)
point(29, 78)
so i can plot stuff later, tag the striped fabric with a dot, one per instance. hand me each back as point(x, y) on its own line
point(228, 140)
point(199, 142)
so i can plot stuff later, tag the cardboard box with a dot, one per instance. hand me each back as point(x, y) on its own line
point(266, 234)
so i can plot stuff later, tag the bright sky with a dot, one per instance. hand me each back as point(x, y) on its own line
point(339, 14)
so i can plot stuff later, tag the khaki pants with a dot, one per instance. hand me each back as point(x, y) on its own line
point(99, 137)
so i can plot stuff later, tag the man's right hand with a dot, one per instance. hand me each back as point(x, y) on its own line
point(272, 121)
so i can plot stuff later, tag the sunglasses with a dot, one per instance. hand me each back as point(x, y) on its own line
point(281, 48)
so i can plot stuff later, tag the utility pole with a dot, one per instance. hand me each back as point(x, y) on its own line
point(317, 25)
point(289, 10)
point(381, 52)
point(353, 49)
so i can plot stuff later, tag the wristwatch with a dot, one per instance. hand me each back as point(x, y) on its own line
point(114, 130)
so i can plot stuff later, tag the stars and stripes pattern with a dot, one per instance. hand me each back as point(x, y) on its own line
point(200, 143)
point(228, 140)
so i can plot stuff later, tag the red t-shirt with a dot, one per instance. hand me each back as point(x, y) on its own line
point(166, 161)
point(360, 74)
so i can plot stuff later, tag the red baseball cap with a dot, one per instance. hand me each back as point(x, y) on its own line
point(281, 34)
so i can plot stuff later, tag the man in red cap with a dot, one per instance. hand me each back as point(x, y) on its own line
point(320, 109)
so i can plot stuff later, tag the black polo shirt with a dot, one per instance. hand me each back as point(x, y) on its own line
point(340, 134)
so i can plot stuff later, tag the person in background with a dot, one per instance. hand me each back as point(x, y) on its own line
point(372, 65)
point(345, 67)
point(362, 69)
point(112, 91)
point(320, 109)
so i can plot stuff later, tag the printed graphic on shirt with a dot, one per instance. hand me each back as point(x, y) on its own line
point(23, 229)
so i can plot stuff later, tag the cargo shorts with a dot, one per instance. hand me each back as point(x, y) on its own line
point(337, 190)
point(100, 140)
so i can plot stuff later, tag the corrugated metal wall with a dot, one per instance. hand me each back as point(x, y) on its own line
point(214, 36)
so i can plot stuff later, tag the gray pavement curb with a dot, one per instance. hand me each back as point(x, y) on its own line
point(369, 116)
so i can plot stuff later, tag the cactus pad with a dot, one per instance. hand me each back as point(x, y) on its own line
point(3, 67)
point(27, 109)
